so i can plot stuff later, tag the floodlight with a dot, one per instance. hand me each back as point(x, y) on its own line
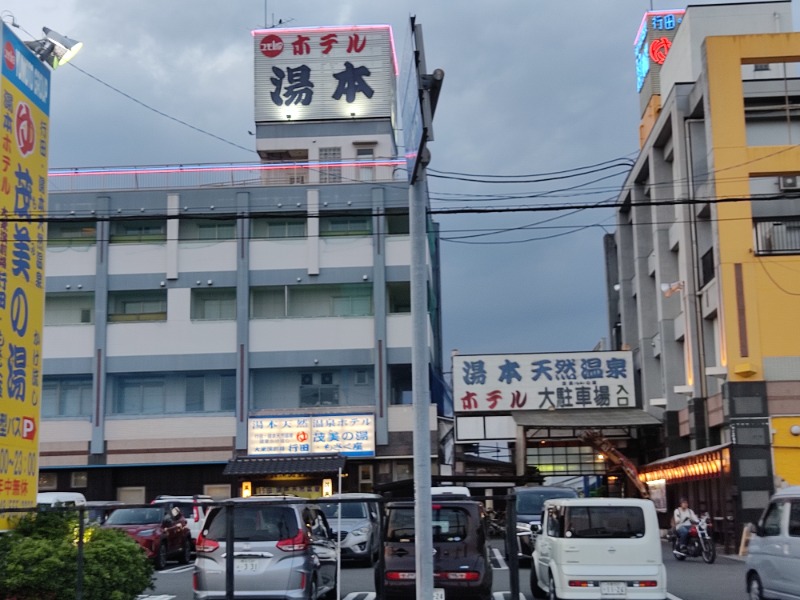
point(54, 49)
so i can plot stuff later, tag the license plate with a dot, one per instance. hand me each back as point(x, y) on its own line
point(613, 588)
point(245, 565)
point(438, 594)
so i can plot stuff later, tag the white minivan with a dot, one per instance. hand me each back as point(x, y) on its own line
point(773, 552)
point(598, 548)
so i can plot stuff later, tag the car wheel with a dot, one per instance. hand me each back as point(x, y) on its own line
point(186, 552)
point(755, 591)
point(551, 589)
point(161, 555)
point(537, 591)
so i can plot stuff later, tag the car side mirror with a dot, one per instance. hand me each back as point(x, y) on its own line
point(536, 528)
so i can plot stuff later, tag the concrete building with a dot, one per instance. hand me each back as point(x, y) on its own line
point(228, 328)
point(707, 255)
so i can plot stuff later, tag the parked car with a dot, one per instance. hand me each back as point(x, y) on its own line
point(57, 499)
point(283, 547)
point(461, 565)
point(529, 503)
point(597, 548)
point(97, 511)
point(359, 515)
point(193, 508)
point(773, 552)
point(160, 530)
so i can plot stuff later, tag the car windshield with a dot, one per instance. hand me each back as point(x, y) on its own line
point(134, 516)
point(603, 522)
point(254, 523)
point(531, 502)
point(350, 510)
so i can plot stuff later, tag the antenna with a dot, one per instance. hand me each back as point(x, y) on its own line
point(268, 25)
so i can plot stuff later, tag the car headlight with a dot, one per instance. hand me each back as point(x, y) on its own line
point(361, 531)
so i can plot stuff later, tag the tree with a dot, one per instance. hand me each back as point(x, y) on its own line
point(39, 561)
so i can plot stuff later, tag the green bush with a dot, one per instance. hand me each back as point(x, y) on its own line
point(39, 561)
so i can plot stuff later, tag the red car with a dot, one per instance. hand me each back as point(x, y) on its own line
point(160, 530)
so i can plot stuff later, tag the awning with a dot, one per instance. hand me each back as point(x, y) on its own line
point(285, 465)
point(596, 418)
point(685, 456)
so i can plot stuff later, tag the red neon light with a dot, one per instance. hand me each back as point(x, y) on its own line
point(326, 28)
point(659, 49)
point(200, 168)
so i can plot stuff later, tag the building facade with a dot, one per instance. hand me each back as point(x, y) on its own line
point(216, 328)
point(705, 288)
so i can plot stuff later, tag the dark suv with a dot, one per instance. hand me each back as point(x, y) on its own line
point(160, 530)
point(529, 503)
point(461, 565)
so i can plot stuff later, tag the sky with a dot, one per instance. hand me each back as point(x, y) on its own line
point(538, 88)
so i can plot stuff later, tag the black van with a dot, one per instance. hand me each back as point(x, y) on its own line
point(461, 565)
point(529, 503)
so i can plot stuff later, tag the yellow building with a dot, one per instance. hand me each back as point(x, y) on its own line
point(707, 259)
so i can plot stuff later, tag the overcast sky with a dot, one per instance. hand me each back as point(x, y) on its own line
point(531, 87)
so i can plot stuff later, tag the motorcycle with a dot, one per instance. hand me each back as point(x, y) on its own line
point(699, 543)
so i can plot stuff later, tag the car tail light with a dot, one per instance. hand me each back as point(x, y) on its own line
point(458, 575)
point(298, 542)
point(204, 545)
point(581, 583)
point(647, 583)
point(196, 513)
point(401, 575)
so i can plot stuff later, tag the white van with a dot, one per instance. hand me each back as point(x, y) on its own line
point(598, 548)
point(56, 499)
point(773, 552)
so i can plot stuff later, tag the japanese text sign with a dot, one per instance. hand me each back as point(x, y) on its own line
point(653, 41)
point(324, 73)
point(25, 91)
point(565, 381)
point(347, 434)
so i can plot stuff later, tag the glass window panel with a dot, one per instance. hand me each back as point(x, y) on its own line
point(268, 303)
point(228, 399)
point(195, 394)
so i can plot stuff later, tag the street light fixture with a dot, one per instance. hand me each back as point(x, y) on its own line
point(54, 49)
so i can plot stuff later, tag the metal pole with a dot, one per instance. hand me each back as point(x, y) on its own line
point(423, 515)
point(339, 541)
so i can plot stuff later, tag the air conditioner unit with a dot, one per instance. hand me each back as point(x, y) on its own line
point(789, 183)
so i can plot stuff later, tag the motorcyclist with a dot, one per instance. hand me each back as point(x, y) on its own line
point(682, 519)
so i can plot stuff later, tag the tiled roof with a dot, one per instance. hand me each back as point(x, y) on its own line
point(284, 465)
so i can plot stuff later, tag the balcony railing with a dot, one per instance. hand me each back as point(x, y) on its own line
point(91, 179)
point(778, 236)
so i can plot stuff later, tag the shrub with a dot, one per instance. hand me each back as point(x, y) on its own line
point(39, 561)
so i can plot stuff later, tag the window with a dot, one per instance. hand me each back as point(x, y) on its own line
point(399, 297)
point(210, 392)
point(214, 305)
point(361, 377)
point(794, 519)
point(772, 519)
point(279, 227)
point(344, 300)
point(366, 172)
point(195, 394)
point(66, 397)
point(69, 309)
point(138, 230)
point(319, 395)
point(139, 396)
point(346, 225)
point(778, 236)
point(604, 522)
point(78, 479)
point(71, 233)
point(48, 481)
point(268, 303)
point(400, 378)
point(397, 223)
point(332, 173)
point(207, 229)
point(150, 305)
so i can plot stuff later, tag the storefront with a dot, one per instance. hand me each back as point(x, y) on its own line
point(305, 476)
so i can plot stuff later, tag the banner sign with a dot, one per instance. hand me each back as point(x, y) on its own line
point(347, 434)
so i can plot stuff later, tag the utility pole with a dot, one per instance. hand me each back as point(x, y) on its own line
point(428, 87)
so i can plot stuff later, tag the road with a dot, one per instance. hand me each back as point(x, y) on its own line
point(688, 580)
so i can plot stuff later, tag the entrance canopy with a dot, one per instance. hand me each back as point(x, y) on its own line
point(588, 418)
point(285, 465)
